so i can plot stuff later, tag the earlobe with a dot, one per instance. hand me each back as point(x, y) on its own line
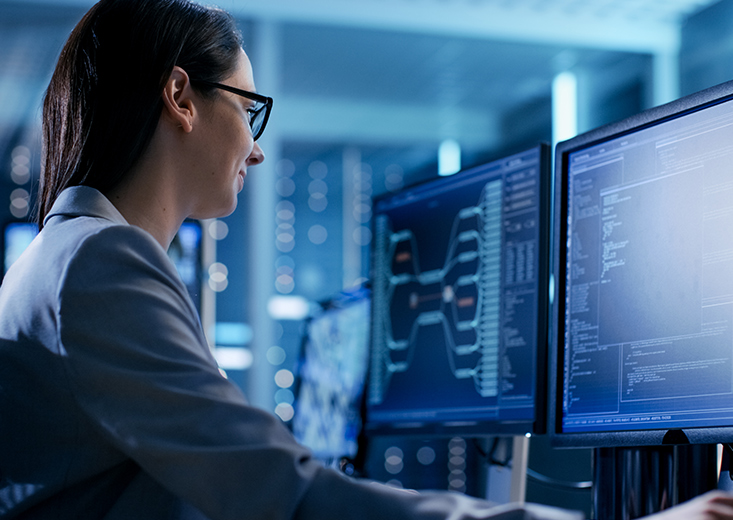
point(178, 105)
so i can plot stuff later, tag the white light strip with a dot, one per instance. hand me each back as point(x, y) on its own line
point(288, 307)
point(449, 157)
point(230, 358)
point(564, 106)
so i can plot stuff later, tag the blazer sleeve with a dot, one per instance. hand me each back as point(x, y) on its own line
point(140, 369)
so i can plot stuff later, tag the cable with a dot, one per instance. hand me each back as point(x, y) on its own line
point(531, 474)
point(550, 481)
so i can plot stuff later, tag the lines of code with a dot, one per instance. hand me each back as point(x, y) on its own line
point(649, 278)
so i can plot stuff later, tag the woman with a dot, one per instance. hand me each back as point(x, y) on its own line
point(111, 405)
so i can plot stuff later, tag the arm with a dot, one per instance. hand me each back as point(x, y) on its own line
point(141, 371)
point(714, 505)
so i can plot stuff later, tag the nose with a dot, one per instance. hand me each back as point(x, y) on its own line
point(256, 156)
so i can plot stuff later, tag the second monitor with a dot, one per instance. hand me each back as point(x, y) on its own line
point(459, 273)
point(643, 351)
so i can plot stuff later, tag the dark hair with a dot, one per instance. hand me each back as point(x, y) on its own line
point(104, 100)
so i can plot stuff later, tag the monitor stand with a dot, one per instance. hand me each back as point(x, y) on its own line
point(506, 483)
point(634, 482)
point(725, 480)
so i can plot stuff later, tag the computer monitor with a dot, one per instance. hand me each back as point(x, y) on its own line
point(642, 349)
point(330, 378)
point(459, 289)
point(186, 253)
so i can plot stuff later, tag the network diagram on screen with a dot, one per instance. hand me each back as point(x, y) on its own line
point(648, 310)
point(455, 269)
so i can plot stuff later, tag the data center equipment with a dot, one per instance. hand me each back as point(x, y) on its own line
point(459, 302)
point(330, 378)
point(642, 349)
point(450, 463)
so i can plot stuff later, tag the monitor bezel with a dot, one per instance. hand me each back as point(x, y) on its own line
point(492, 428)
point(652, 437)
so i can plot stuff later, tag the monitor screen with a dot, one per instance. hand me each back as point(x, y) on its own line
point(459, 287)
point(643, 317)
point(330, 378)
point(186, 253)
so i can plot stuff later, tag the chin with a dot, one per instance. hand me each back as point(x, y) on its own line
point(220, 212)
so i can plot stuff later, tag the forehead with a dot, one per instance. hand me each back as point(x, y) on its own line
point(242, 76)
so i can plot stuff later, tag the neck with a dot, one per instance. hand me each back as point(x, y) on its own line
point(157, 194)
point(146, 198)
point(149, 213)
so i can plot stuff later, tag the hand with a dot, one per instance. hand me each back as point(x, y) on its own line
point(714, 505)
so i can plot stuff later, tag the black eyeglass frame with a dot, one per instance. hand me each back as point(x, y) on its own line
point(267, 101)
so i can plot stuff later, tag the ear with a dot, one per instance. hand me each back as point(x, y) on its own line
point(178, 104)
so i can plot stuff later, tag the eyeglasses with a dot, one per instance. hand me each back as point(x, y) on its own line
point(258, 114)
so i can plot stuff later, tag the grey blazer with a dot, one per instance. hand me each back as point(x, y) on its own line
point(112, 406)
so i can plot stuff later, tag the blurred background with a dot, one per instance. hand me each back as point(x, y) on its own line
point(371, 96)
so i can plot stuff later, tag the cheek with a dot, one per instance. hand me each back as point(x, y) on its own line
point(239, 141)
point(246, 143)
